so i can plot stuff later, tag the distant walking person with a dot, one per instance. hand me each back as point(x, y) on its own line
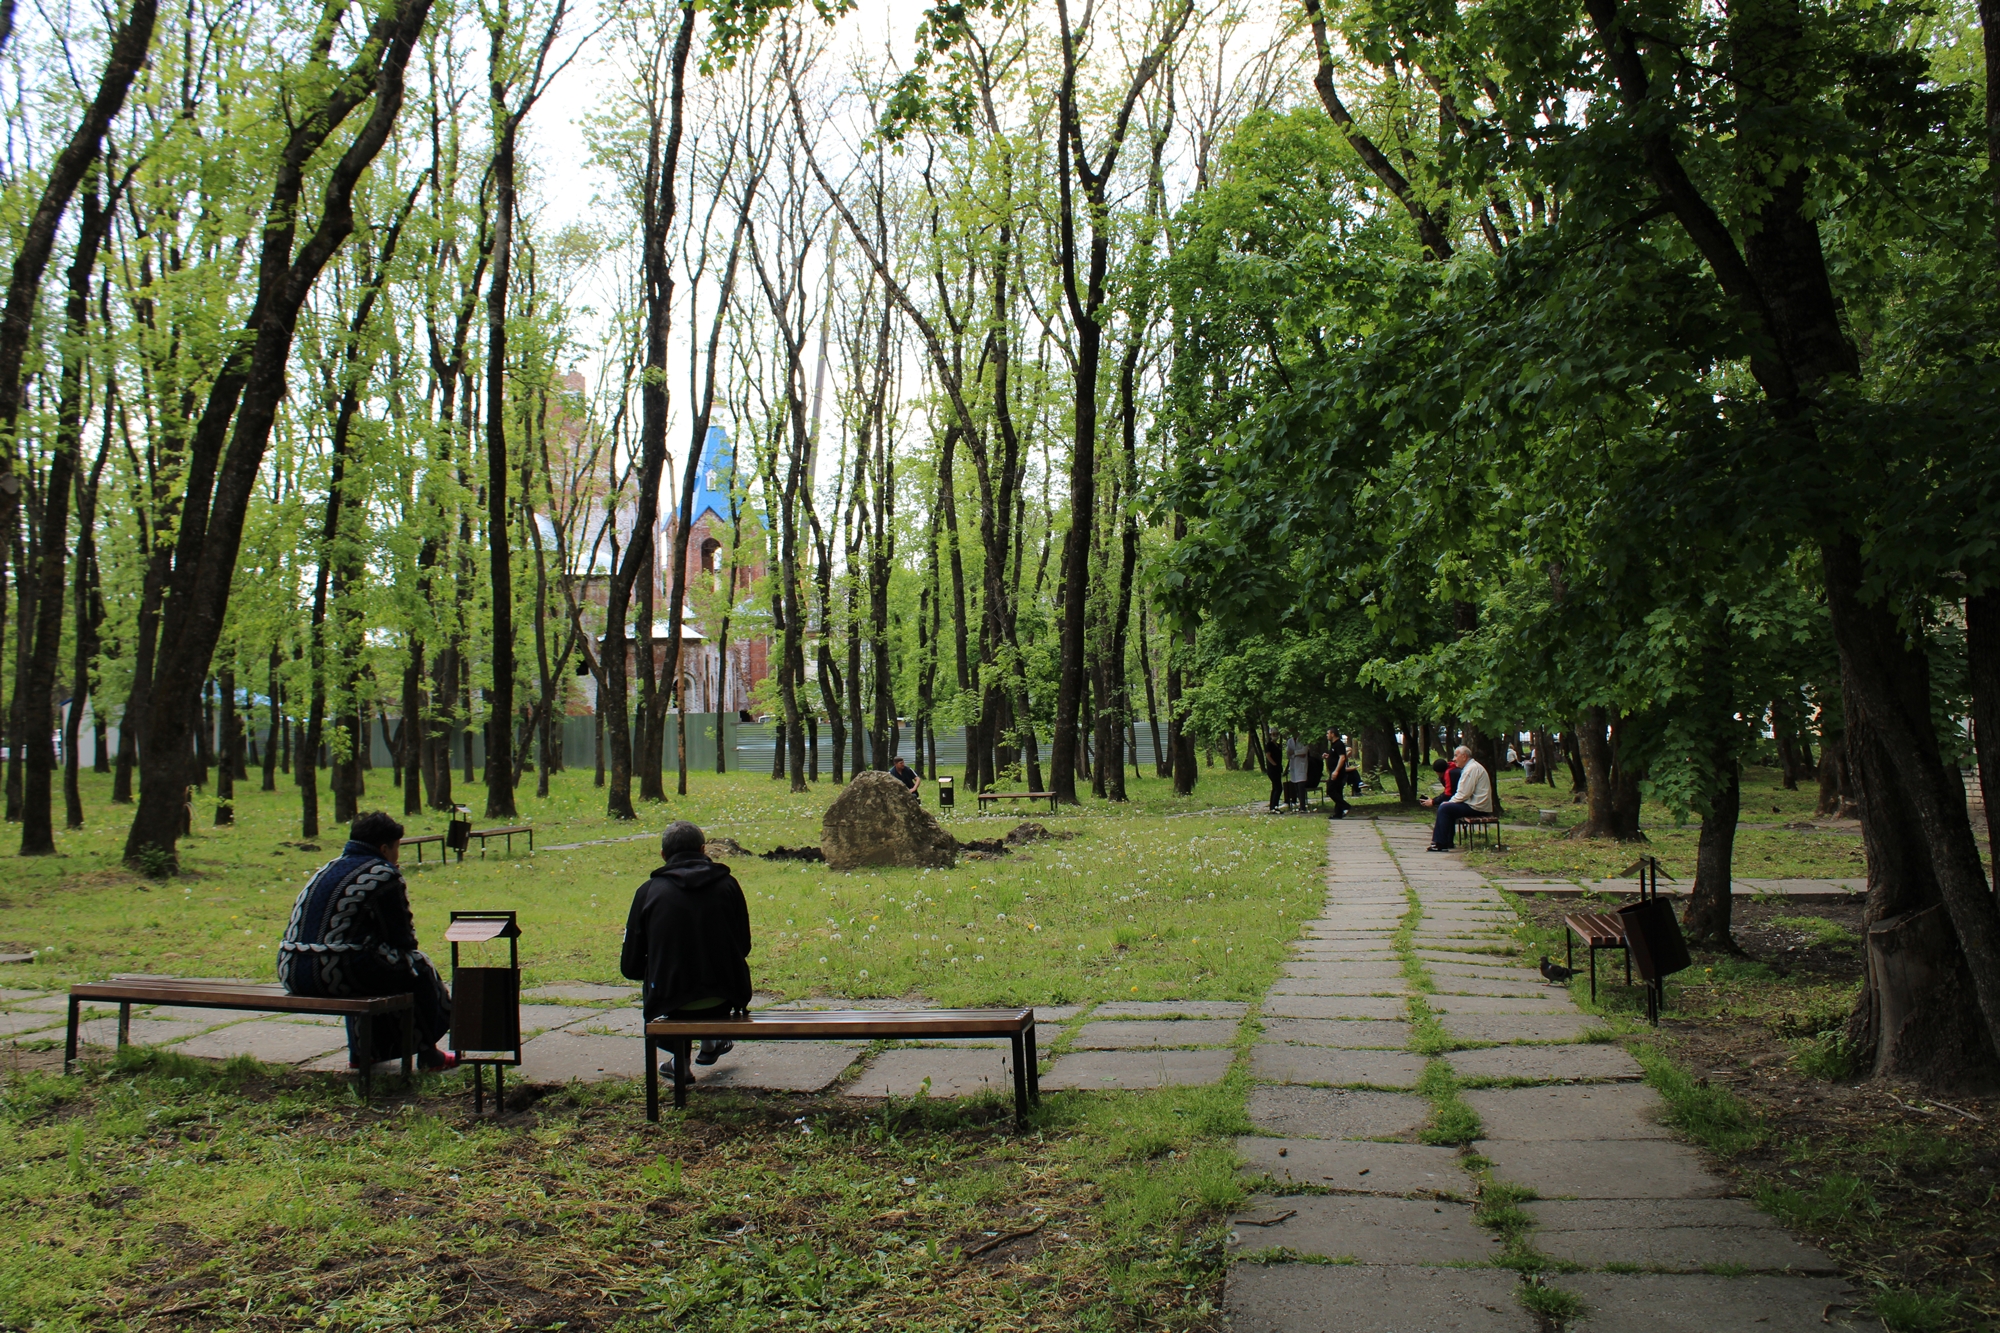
point(1336, 773)
point(351, 934)
point(1271, 758)
point(1474, 795)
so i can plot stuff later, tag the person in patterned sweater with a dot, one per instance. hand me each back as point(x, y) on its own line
point(351, 934)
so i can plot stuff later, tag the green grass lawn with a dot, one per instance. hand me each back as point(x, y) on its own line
point(1139, 900)
point(153, 1191)
point(157, 1192)
point(1760, 853)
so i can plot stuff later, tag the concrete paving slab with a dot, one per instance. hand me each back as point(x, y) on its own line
point(627, 1022)
point(1383, 966)
point(48, 1004)
point(953, 1072)
point(272, 1042)
point(542, 1017)
point(1107, 1070)
point(1470, 958)
point(1275, 1062)
point(1524, 975)
point(1547, 1064)
point(1572, 1111)
point(1703, 1233)
point(1519, 1027)
point(1556, 1002)
point(1373, 1230)
point(15, 1025)
point(1115, 1035)
point(563, 1055)
point(1650, 1303)
point(1343, 1298)
point(1335, 1006)
point(1358, 1166)
point(144, 1032)
point(581, 990)
point(1603, 1168)
point(779, 1066)
point(1536, 989)
point(1335, 1113)
point(1165, 1009)
point(14, 995)
point(1332, 986)
point(1356, 1034)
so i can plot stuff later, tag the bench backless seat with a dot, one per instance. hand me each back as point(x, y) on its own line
point(679, 1035)
point(128, 991)
point(1598, 930)
point(986, 798)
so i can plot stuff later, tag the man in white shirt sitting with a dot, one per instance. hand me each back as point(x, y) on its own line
point(1473, 796)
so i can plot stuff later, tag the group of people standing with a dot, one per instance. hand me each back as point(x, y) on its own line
point(1297, 768)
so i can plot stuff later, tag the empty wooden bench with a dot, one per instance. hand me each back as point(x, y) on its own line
point(506, 832)
point(128, 991)
point(1482, 830)
point(987, 797)
point(679, 1035)
point(419, 842)
point(1598, 930)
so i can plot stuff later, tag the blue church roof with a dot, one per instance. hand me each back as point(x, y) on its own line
point(711, 487)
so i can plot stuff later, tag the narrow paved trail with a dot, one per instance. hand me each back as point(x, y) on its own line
point(1402, 1011)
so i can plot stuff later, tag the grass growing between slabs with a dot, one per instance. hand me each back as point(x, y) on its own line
point(1129, 901)
point(158, 1193)
point(1900, 1185)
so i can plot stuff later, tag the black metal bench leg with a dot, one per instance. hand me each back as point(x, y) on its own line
point(1020, 1082)
point(124, 1024)
point(1593, 974)
point(364, 1054)
point(478, 1090)
point(652, 1081)
point(410, 1047)
point(69, 1042)
point(683, 1075)
point(1034, 1069)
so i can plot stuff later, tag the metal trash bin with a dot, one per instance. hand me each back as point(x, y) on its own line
point(1653, 940)
point(486, 1003)
point(946, 796)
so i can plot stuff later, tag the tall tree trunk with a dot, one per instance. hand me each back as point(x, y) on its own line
point(243, 399)
point(663, 143)
point(1162, 766)
point(1982, 655)
point(38, 691)
point(1707, 919)
point(225, 772)
point(126, 51)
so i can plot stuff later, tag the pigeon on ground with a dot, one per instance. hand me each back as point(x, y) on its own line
point(1556, 972)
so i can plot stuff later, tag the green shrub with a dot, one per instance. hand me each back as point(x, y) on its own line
point(1916, 1311)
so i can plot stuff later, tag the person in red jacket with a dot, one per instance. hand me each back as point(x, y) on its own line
point(1448, 775)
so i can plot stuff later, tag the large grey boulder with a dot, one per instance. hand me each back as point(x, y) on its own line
point(876, 822)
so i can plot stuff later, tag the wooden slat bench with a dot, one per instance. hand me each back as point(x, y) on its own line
point(419, 842)
point(1598, 930)
point(986, 797)
point(507, 832)
point(1482, 830)
point(679, 1035)
point(128, 991)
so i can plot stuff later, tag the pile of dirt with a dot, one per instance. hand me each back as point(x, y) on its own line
point(794, 854)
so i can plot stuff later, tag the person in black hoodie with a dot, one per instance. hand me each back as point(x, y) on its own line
point(687, 940)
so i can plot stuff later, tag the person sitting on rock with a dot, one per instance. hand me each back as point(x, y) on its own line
point(903, 773)
point(351, 934)
point(687, 940)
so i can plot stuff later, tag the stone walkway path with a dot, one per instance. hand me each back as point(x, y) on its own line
point(1401, 1016)
point(590, 1032)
